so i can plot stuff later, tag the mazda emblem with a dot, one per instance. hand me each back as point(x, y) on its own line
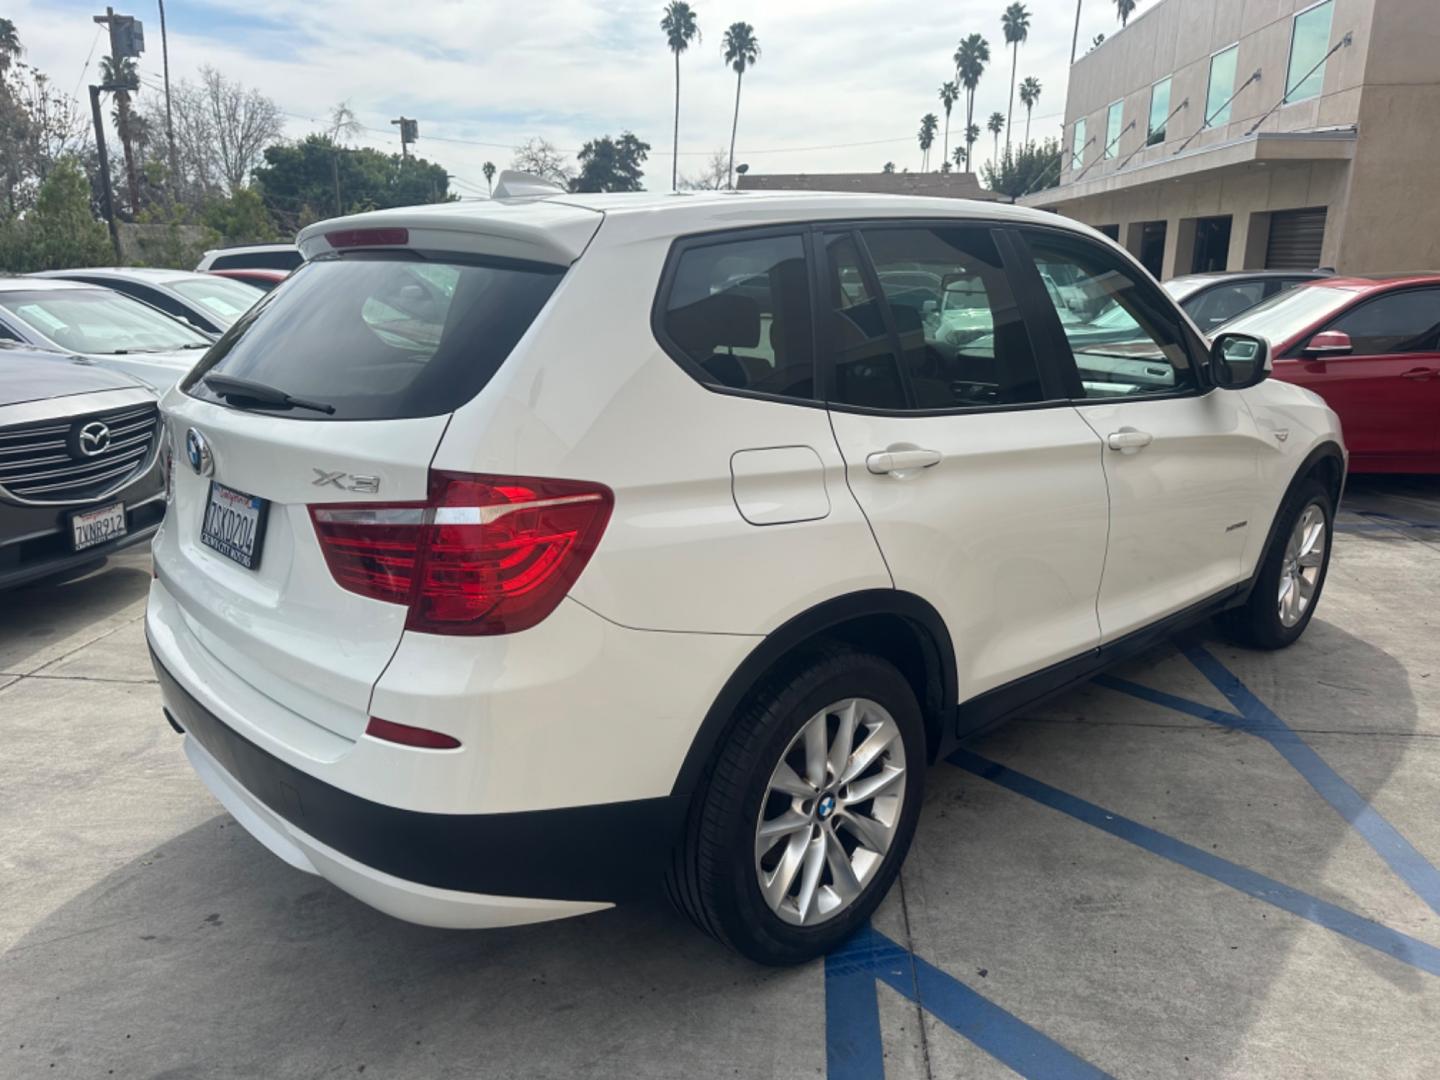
point(197, 451)
point(93, 439)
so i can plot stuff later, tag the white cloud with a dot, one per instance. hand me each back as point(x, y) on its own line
point(830, 74)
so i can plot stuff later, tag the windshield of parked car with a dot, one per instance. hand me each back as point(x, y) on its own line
point(381, 338)
point(222, 299)
point(1287, 313)
point(1181, 287)
point(99, 321)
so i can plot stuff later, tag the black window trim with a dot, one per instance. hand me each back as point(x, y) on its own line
point(1195, 349)
point(1051, 372)
point(1297, 352)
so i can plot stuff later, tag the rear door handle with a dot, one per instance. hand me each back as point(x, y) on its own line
point(1128, 441)
point(1420, 374)
point(899, 460)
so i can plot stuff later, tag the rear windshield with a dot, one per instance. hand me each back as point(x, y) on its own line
point(382, 338)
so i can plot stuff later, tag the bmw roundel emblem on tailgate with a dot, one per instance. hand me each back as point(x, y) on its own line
point(197, 450)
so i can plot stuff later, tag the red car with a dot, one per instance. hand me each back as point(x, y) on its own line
point(1371, 348)
point(265, 280)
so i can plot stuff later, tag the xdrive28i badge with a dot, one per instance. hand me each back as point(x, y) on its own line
point(197, 451)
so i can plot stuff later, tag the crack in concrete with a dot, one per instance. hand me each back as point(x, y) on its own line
point(919, 1007)
point(38, 673)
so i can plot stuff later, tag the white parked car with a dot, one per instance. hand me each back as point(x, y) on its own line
point(68, 319)
point(605, 539)
point(209, 303)
point(251, 257)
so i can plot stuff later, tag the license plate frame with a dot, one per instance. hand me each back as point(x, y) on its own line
point(113, 513)
point(242, 505)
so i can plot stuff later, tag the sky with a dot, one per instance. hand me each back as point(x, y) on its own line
point(840, 85)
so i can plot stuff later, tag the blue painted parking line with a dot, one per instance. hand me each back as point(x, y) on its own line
point(1402, 947)
point(1256, 718)
point(852, 1028)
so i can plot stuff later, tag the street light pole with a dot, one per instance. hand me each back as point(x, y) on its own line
point(169, 116)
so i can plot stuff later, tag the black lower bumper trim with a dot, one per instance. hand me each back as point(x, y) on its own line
point(610, 851)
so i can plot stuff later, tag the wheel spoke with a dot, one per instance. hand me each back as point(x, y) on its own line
point(777, 886)
point(788, 781)
point(871, 786)
point(1307, 590)
point(872, 833)
point(875, 744)
point(846, 884)
point(810, 877)
point(1312, 558)
point(815, 751)
point(788, 822)
point(844, 740)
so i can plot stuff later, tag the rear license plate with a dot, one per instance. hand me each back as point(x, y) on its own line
point(234, 524)
point(99, 526)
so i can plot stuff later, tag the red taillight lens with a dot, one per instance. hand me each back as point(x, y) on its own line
point(406, 735)
point(350, 238)
point(483, 555)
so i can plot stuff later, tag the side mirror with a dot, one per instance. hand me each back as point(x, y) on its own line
point(1329, 343)
point(1238, 361)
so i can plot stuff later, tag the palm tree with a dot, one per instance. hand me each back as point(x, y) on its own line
point(949, 94)
point(680, 29)
point(742, 50)
point(1016, 25)
point(928, 123)
point(959, 156)
point(1029, 97)
point(996, 125)
point(489, 170)
point(971, 57)
point(972, 136)
point(10, 47)
point(1124, 9)
point(125, 81)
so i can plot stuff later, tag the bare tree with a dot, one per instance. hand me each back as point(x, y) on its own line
point(540, 158)
point(715, 176)
point(343, 124)
point(244, 122)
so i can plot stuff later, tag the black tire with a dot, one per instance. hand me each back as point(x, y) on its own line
point(713, 878)
point(1257, 624)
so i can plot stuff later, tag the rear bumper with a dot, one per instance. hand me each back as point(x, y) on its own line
point(439, 869)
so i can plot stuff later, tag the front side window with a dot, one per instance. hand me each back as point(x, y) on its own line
point(1077, 153)
point(1125, 337)
point(962, 342)
point(1159, 112)
point(1113, 120)
point(99, 321)
point(1403, 322)
point(1309, 42)
point(1222, 86)
point(739, 311)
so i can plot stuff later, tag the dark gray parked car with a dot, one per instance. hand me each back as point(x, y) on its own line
point(80, 476)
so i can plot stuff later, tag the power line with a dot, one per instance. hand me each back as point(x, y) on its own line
point(75, 94)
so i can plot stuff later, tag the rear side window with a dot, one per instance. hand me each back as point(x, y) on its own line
point(737, 314)
point(258, 260)
point(382, 337)
point(1223, 303)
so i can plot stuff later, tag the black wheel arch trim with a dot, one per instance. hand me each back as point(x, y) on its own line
point(1325, 450)
point(814, 624)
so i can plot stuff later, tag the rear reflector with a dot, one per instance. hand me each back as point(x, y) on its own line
point(406, 735)
point(351, 238)
point(482, 555)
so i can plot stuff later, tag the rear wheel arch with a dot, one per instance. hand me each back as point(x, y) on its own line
point(900, 627)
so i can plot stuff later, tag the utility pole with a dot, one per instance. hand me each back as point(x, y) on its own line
point(127, 40)
point(169, 116)
point(409, 132)
point(107, 197)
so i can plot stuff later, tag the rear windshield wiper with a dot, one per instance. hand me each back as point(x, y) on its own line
point(236, 390)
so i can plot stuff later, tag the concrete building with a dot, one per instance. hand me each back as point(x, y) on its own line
point(1236, 134)
point(951, 185)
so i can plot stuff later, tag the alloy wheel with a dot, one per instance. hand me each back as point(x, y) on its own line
point(1303, 561)
point(830, 811)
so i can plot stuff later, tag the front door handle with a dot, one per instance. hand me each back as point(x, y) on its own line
point(1420, 374)
point(1128, 441)
point(898, 460)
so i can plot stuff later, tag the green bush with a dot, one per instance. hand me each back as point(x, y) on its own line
point(60, 232)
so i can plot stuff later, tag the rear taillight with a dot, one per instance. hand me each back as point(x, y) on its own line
point(482, 555)
point(406, 735)
point(352, 238)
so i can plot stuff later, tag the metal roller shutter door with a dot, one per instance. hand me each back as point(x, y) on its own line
point(1295, 239)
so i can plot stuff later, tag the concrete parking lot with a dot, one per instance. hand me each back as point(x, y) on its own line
point(1210, 862)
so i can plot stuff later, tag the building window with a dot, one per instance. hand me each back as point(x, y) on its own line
point(1159, 112)
point(1112, 128)
point(1222, 86)
point(1077, 153)
point(1309, 42)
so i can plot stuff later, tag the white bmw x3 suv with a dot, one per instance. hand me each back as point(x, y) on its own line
point(524, 554)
